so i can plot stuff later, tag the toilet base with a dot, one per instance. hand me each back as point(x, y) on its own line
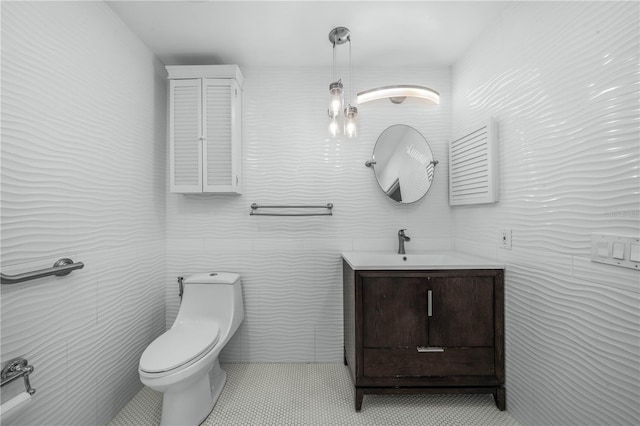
point(218, 378)
point(192, 403)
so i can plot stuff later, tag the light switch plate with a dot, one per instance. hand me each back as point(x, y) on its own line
point(618, 250)
point(506, 239)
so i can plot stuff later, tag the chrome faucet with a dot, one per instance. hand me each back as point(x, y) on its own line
point(401, 239)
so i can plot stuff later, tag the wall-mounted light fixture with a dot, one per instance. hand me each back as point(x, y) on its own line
point(397, 94)
point(339, 36)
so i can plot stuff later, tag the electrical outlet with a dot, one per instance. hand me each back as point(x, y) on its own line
point(506, 239)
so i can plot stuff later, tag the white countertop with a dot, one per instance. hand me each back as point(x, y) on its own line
point(418, 260)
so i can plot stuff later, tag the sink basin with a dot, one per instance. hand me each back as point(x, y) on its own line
point(423, 260)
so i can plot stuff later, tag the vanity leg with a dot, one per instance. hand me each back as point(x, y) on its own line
point(500, 397)
point(359, 398)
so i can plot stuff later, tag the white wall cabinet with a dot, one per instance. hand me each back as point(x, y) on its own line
point(205, 129)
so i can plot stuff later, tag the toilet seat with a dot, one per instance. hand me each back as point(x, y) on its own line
point(182, 344)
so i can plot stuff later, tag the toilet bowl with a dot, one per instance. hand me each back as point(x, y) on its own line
point(183, 362)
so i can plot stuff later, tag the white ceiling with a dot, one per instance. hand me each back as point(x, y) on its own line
point(295, 33)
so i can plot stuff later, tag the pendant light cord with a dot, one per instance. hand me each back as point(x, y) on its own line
point(334, 61)
point(350, 71)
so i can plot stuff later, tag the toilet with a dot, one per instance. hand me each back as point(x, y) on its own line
point(183, 362)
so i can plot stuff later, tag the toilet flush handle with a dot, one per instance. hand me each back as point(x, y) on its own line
point(180, 286)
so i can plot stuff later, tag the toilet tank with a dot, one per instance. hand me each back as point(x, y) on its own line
point(214, 296)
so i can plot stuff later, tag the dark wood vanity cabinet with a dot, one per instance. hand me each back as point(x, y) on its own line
point(436, 331)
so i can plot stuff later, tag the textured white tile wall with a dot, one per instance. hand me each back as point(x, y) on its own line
point(83, 163)
point(291, 266)
point(562, 79)
point(83, 176)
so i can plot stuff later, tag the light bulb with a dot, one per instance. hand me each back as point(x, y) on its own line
point(351, 122)
point(334, 129)
point(335, 98)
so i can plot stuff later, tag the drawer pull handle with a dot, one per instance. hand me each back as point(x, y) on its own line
point(430, 349)
point(429, 303)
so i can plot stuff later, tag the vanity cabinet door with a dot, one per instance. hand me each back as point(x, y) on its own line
point(461, 312)
point(394, 312)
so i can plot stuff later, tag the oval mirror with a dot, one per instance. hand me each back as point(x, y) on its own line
point(403, 163)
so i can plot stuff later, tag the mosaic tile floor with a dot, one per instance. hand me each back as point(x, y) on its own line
point(317, 394)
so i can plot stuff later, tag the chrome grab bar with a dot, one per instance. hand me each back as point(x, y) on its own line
point(255, 207)
point(16, 368)
point(61, 268)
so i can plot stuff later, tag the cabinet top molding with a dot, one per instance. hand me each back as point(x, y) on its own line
point(205, 71)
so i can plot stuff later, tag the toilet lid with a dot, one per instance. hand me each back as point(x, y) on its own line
point(181, 344)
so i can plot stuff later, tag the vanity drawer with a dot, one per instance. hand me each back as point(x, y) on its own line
point(408, 362)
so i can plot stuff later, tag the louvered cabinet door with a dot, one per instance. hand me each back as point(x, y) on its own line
point(222, 136)
point(185, 135)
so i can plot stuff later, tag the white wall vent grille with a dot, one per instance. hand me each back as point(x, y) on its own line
point(473, 167)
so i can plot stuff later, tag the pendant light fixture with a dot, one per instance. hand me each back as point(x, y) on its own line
point(339, 36)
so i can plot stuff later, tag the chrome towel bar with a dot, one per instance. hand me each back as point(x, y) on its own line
point(61, 268)
point(255, 207)
point(16, 368)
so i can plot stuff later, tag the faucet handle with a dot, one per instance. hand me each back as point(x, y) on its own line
point(401, 232)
